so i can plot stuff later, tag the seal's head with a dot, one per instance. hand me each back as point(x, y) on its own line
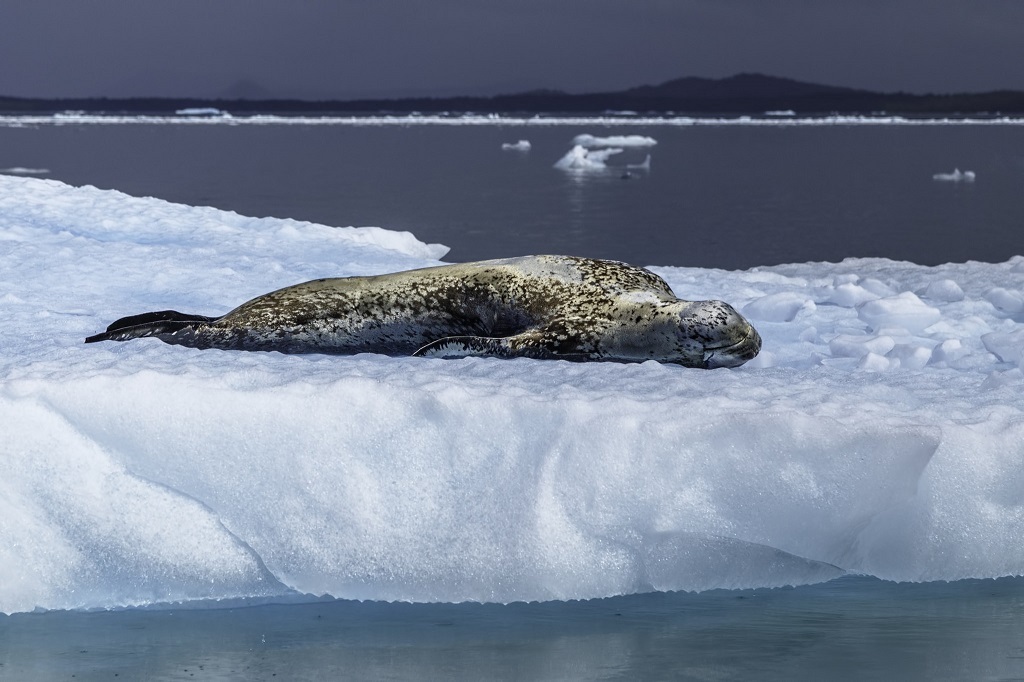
point(712, 334)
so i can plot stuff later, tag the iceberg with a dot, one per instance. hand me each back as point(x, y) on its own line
point(956, 176)
point(880, 432)
point(592, 142)
point(520, 146)
point(579, 158)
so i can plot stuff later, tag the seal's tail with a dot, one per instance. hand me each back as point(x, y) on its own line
point(148, 324)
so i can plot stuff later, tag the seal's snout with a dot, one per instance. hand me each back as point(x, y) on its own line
point(736, 354)
point(728, 339)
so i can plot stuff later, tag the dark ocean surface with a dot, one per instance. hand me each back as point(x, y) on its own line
point(715, 196)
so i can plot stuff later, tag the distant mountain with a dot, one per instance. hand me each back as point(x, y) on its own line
point(740, 86)
point(752, 93)
point(745, 93)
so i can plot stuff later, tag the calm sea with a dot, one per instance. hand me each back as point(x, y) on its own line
point(715, 196)
point(731, 197)
point(849, 629)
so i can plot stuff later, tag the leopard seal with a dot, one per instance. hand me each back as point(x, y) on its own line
point(545, 307)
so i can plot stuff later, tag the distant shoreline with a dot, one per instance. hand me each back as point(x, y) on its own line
point(539, 120)
point(744, 94)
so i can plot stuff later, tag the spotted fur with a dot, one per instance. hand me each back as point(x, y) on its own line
point(535, 306)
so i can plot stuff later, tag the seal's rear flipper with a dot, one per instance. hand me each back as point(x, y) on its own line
point(148, 324)
point(466, 346)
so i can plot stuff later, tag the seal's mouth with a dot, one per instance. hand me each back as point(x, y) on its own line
point(733, 354)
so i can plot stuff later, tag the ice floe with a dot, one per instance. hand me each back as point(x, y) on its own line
point(579, 158)
point(520, 146)
point(880, 431)
point(956, 176)
point(592, 142)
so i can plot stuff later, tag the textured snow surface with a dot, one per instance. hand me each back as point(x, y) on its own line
point(880, 431)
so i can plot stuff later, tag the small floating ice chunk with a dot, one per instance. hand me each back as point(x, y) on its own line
point(779, 307)
point(903, 311)
point(591, 142)
point(201, 111)
point(520, 146)
point(1006, 300)
point(19, 170)
point(956, 176)
point(944, 290)
point(581, 158)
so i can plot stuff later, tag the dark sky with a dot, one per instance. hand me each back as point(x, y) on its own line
point(358, 48)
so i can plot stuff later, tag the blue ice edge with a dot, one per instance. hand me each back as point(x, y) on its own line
point(845, 588)
point(848, 591)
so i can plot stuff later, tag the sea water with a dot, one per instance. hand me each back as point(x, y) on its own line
point(199, 500)
point(714, 196)
point(849, 629)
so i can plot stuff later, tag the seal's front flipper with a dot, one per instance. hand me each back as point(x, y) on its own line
point(148, 324)
point(531, 344)
point(468, 346)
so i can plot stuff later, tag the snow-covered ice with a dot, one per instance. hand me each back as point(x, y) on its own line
point(881, 431)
